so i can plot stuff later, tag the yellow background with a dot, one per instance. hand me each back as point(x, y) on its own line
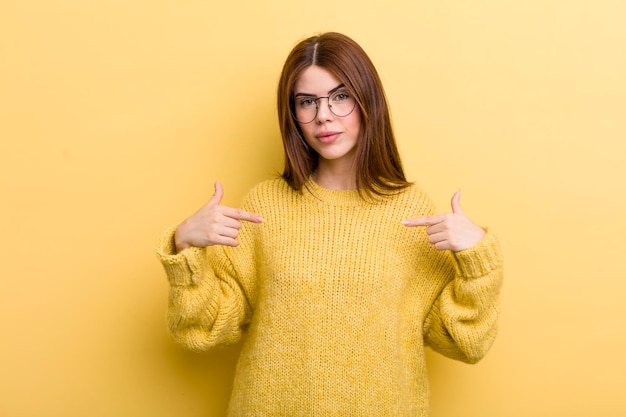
point(116, 117)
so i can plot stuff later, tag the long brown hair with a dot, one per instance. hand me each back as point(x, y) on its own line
point(378, 167)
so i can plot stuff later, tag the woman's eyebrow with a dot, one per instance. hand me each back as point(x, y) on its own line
point(313, 95)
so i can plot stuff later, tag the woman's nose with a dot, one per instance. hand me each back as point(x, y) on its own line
point(323, 110)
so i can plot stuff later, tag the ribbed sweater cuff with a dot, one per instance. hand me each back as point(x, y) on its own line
point(481, 258)
point(183, 268)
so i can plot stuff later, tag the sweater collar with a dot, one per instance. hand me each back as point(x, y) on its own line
point(332, 197)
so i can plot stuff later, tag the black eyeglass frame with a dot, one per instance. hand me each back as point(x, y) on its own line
point(317, 106)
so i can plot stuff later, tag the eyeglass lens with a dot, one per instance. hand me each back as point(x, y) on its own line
point(341, 104)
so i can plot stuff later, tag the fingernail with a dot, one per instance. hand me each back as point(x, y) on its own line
point(405, 222)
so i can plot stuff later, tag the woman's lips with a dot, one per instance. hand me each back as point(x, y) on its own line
point(327, 137)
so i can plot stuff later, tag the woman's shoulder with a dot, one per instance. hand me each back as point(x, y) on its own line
point(267, 192)
point(415, 197)
point(269, 187)
point(414, 190)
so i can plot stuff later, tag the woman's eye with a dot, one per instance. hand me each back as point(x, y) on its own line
point(307, 102)
point(341, 96)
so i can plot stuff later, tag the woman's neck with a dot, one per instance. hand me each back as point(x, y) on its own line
point(334, 177)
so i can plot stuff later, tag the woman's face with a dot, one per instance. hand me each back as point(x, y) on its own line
point(333, 137)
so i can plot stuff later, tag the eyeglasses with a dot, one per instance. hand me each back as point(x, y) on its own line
point(340, 103)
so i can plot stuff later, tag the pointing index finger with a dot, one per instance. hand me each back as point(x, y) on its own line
point(240, 214)
point(422, 221)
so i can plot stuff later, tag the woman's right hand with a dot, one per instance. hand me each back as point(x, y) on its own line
point(213, 224)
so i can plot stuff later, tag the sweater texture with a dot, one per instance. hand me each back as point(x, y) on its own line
point(337, 301)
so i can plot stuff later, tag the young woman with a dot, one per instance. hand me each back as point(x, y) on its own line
point(324, 270)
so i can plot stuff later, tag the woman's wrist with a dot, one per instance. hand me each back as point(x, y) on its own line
point(179, 243)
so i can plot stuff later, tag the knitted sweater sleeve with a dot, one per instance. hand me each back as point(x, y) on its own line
point(462, 323)
point(208, 304)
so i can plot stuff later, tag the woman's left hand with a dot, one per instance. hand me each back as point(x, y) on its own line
point(453, 231)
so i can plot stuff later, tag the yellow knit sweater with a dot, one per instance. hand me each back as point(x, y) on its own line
point(337, 300)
